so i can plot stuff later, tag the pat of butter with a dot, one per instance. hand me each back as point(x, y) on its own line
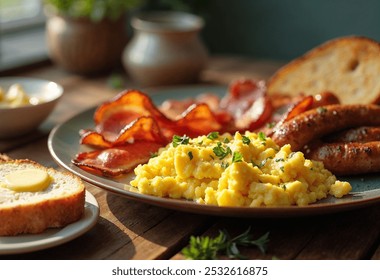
point(28, 180)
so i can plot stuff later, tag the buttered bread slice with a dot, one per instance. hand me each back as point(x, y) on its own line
point(34, 198)
point(349, 67)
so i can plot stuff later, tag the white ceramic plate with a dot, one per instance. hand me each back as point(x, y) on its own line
point(64, 144)
point(52, 237)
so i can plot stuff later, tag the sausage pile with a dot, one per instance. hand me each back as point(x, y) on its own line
point(346, 138)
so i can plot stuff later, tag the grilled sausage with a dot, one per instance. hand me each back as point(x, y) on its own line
point(357, 134)
point(315, 123)
point(347, 158)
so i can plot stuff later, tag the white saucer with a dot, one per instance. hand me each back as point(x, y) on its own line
point(52, 237)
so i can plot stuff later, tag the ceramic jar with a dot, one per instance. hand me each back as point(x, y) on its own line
point(83, 46)
point(165, 49)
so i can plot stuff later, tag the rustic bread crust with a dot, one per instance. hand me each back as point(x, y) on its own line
point(347, 66)
point(60, 204)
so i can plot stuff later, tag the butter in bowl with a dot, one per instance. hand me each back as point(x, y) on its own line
point(25, 103)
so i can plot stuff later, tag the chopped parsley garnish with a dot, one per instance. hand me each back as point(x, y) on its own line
point(221, 152)
point(226, 140)
point(237, 157)
point(213, 135)
point(224, 165)
point(190, 154)
point(246, 140)
point(262, 136)
point(261, 164)
point(153, 155)
point(178, 140)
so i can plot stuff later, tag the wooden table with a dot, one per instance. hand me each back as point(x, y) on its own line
point(127, 229)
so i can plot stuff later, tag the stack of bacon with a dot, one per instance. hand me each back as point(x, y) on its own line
point(130, 128)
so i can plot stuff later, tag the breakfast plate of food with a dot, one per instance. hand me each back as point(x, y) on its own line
point(252, 149)
point(26, 243)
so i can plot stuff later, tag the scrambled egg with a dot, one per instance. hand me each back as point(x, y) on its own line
point(241, 170)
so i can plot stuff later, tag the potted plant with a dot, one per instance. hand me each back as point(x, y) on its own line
point(87, 36)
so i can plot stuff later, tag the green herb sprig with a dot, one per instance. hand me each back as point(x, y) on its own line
point(213, 135)
point(237, 157)
point(207, 248)
point(221, 152)
point(246, 140)
point(180, 140)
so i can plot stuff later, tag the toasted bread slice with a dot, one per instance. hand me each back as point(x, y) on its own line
point(347, 66)
point(60, 204)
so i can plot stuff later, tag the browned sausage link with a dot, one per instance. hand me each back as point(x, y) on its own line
point(357, 134)
point(318, 122)
point(347, 158)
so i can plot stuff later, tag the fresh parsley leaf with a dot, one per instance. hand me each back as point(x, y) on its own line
point(178, 140)
point(246, 140)
point(204, 247)
point(190, 154)
point(213, 135)
point(262, 136)
point(237, 157)
point(221, 152)
point(224, 165)
point(226, 140)
point(207, 248)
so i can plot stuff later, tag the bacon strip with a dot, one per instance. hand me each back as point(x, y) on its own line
point(248, 104)
point(140, 129)
point(129, 127)
point(115, 161)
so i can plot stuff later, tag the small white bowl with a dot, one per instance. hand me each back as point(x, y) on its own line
point(22, 120)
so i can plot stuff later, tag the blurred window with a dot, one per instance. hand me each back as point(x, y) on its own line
point(20, 13)
point(21, 33)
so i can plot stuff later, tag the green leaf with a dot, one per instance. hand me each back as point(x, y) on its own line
point(246, 140)
point(213, 135)
point(237, 157)
point(190, 154)
point(207, 248)
point(221, 152)
point(203, 248)
point(180, 140)
point(262, 136)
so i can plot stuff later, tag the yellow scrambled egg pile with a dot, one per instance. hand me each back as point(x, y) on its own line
point(240, 170)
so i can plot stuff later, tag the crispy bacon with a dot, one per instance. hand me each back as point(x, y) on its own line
point(139, 129)
point(114, 116)
point(115, 161)
point(129, 127)
point(248, 104)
